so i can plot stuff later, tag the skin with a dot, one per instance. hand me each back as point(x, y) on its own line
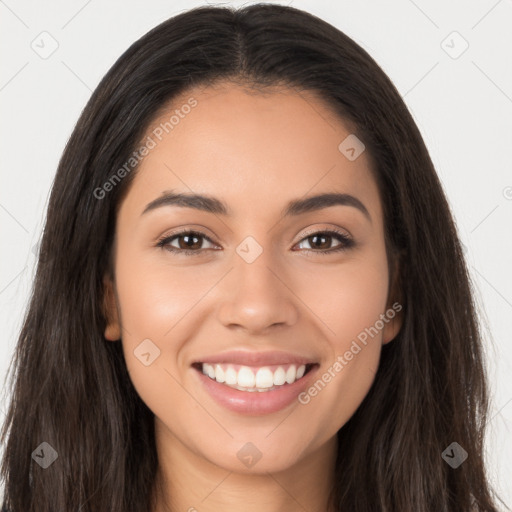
point(256, 152)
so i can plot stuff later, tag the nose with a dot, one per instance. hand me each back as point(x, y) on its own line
point(257, 296)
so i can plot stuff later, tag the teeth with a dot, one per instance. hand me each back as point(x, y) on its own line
point(264, 378)
point(246, 378)
point(219, 374)
point(230, 375)
point(279, 377)
point(249, 379)
point(290, 374)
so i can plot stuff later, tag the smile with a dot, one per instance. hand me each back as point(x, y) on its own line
point(247, 378)
point(264, 390)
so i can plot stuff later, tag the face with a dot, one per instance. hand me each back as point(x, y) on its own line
point(243, 281)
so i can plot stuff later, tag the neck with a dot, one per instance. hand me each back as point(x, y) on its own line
point(187, 482)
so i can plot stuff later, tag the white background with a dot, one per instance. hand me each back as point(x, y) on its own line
point(463, 107)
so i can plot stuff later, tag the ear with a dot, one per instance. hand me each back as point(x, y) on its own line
point(394, 313)
point(110, 311)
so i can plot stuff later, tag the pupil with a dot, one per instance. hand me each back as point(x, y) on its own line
point(322, 237)
point(190, 243)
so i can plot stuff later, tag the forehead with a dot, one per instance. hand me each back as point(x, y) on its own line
point(250, 148)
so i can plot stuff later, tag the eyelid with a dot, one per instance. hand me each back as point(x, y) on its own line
point(193, 228)
point(184, 231)
point(313, 231)
point(304, 234)
point(348, 242)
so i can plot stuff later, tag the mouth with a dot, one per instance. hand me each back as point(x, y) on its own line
point(255, 378)
point(254, 383)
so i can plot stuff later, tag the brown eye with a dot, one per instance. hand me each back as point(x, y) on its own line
point(188, 242)
point(321, 242)
point(191, 242)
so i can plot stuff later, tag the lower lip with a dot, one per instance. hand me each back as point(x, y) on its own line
point(255, 402)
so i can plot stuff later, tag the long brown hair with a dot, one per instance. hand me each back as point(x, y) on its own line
point(71, 389)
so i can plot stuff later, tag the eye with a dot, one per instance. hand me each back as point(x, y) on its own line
point(320, 239)
point(189, 242)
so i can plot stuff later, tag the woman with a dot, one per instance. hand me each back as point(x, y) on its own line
point(189, 346)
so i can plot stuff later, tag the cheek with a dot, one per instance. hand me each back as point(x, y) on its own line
point(346, 299)
point(351, 303)
point(155, 303)
point(360, 300)
point(154, 296)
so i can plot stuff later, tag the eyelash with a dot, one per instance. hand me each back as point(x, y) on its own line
point(346, 242)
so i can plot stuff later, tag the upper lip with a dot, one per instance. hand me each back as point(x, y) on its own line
point(251, 358)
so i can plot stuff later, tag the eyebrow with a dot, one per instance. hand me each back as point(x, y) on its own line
point(293, 208)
